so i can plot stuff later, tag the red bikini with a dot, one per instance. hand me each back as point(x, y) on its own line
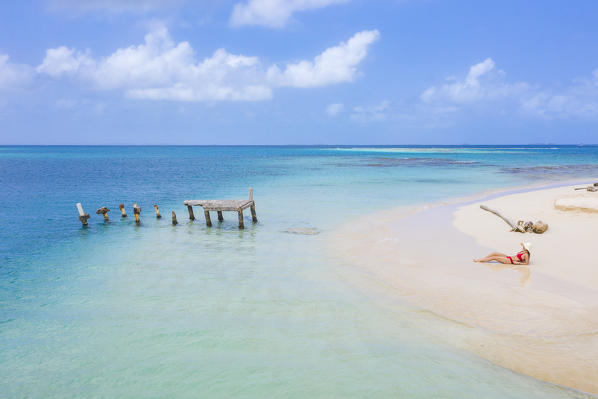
point(519, 256)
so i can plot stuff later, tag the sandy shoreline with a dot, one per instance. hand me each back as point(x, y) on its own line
point(540, 320)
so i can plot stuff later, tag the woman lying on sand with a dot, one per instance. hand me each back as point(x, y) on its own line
point(522, 258)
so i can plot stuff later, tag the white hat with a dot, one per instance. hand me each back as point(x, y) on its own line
point(527, 245)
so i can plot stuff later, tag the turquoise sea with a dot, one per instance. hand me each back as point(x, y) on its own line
point(155, 310)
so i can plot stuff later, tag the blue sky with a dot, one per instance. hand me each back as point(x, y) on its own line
point(298, 72)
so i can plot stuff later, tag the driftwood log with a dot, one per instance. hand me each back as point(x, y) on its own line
point(513, 226)
point(522, 227)
point(539, 227)
point(593, 188)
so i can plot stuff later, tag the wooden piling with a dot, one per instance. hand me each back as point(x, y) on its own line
point(122, 210)
point(82, 215)
point(208, 219)
point(103, 211)
point(174, 221)
point(252, 207)
point(136, 212)
point(241, 224)
point(220, 217)
point(191, 215)
point(253, 214)
point(158, 216)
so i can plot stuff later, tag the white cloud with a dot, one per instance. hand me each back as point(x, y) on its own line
point(63, 61)
point(579, 100)
point(273, 13)
point(111, 6)
point(371, 113)
point(14, 75)
point(160, 69)
point(483, 81)
point(335, 65)
point(334, 109)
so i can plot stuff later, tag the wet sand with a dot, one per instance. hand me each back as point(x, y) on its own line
point(540, 320)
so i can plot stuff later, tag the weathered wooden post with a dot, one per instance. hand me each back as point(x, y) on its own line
point(208, 219)
point(191, 215)
point(252, 207)
point(82, 215)
point(158, 216)
point(253, 215)
point(122, 210)
point(220, 217)
point(136, 212)
point(174, 221)
point(241, 224)
point(103, 211)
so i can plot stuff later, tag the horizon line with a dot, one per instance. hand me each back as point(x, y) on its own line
point(296, 145)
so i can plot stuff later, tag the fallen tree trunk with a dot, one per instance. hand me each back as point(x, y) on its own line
point(513, 226)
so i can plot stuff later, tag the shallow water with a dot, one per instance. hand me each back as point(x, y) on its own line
point(156, 310)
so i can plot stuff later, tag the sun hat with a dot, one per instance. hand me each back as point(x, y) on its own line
point(527, 245)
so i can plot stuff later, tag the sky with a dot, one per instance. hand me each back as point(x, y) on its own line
point(298, 72)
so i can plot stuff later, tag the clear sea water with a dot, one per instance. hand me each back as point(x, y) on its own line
point(118, 310)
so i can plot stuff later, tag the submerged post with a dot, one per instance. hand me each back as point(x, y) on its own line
point(122, 210)
point(103, 211)
point(136, 212)
point(208, 219)
point(174, 221)
point(253, 214)
point(158, 216)
point(252, 207)
point(191, 215)
point(241, 224)
point(220, 217)
point(82, 215)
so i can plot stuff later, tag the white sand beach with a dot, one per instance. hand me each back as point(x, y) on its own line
point(540, 320)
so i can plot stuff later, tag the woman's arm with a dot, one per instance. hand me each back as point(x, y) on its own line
point(525, 256)
point(524, 262)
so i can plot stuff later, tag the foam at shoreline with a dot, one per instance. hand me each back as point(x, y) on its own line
point(540, 320)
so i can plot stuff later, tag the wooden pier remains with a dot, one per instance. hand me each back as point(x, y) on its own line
point(223, 206)
point(82, 215)
point(136, 213)
point(103, 211)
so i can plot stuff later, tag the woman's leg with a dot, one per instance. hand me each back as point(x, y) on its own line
point(503, 259)
point(490, 258)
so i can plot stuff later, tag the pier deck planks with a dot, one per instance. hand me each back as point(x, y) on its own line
point(220, 205)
